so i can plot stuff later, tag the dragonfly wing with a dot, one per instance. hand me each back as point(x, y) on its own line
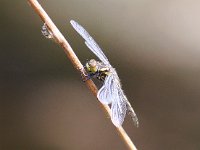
point(110, 93)
point(90, 42)
point(132, 113)
point(129, 108)
point(118, 112)
point(106, 92)
point(120, 104)
point(97, 51)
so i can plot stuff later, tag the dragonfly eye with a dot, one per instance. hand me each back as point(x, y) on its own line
point(92, 63)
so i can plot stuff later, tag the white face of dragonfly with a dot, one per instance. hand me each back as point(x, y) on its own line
point(91, 66)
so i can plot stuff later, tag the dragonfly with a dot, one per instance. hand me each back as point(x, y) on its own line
point(111, 92)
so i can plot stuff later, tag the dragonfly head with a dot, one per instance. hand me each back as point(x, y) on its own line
point(91, 66)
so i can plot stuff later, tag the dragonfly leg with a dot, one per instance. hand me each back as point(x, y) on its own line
point(86, 76)
point(89, 76)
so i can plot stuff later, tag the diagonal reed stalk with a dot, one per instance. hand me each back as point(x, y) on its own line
point(59, 38)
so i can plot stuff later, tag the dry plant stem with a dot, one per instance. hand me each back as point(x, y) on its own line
point(59, 38)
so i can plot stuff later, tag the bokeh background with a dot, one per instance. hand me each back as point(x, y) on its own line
point(155, 46)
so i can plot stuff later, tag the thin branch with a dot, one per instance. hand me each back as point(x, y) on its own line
point(59, 38)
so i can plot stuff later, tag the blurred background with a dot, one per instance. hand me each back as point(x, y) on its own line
point(155, 47)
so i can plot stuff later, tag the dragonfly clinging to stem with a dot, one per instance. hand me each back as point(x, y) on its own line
point(111, 91)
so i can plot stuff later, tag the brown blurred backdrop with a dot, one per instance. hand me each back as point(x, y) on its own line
point(155, 46)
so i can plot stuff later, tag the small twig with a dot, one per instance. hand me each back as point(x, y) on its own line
point(59, 38)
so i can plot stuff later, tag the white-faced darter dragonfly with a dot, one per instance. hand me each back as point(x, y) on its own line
point(111, 91)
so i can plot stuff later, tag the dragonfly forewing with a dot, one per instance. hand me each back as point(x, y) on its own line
point(90, 42)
